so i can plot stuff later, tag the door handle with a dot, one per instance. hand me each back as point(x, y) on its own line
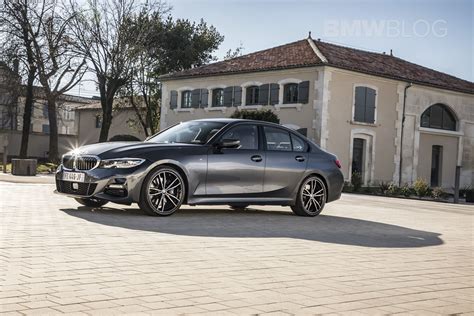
point(299, 158)
point(256, 158)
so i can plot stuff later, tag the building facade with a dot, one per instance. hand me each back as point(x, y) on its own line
point(350, 102)
point(79, 119)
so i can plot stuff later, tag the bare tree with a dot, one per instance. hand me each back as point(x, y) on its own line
point(59, 67)
point(17, 43)
point(101, 36)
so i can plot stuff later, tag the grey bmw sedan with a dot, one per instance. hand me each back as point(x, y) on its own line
point(204, 162)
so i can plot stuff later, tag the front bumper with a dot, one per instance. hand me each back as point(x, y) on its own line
point(115, 185)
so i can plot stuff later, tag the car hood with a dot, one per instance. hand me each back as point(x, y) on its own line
point(122, 147)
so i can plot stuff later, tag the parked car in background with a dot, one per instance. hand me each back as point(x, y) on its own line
point(212, 161)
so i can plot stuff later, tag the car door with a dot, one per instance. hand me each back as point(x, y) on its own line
point(237, 171)
point(286, 157)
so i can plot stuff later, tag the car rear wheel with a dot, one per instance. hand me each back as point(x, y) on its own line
point(162, 192)
point(311, 197)
point(91, 202)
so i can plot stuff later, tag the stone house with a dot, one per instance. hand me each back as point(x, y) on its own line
point(383, 116)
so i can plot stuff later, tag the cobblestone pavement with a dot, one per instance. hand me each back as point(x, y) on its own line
point(364, 255)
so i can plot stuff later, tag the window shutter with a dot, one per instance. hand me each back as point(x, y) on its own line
point(359, 105)
point(370, 105)
point(204, 98)
point(248, 96)
point(274, 93)
point(303, 92)
point(237, 96)
point(195, 97)
point(264, 94)
point(228, 96)
point(173, 99)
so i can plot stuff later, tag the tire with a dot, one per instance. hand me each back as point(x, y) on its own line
point(311, 197)
point(91, 202)
point(237, 207)
point(158, 201)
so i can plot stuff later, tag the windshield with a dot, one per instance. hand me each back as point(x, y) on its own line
point(193, 132)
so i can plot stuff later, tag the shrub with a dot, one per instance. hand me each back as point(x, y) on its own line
point(437, 193)
point(258, 115)
point(406, 191)
point(393, 189)
point(421, 187)
point(383, 187)
point(356, 181)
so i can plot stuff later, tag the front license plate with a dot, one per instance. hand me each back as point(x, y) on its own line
point(73, 176)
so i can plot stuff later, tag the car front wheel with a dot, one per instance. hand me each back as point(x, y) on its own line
point(311, 197)
point(162, 192)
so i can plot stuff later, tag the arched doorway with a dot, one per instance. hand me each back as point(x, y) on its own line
point(438, 147)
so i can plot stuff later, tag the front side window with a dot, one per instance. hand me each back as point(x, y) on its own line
point(364, 105)
point(192, 132)
point(253, 95)
point(277, 139)
point(290, 93)
point(246, 134)
point(186, 99)
point(218, 97)
point(438, 116)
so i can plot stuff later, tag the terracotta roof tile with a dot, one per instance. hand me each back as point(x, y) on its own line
point(292, 55)
point(300, 54)
point(390, 66)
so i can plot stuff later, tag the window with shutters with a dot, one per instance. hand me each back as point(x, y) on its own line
point(364, 104)
point(253, 95)
point(217, 97)
point(438, 116)
point(173, 99)
point(290, 93)
point(186, 99)
point(233, 96)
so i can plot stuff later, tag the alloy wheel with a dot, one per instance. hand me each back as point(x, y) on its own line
point(313, 195)
point(165, 191)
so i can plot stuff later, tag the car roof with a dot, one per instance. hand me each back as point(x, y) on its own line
point(232, 120)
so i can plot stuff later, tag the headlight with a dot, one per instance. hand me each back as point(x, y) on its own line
point(121, 163)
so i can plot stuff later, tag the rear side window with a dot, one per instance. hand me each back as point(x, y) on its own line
point(298, 144)
point(277, 139)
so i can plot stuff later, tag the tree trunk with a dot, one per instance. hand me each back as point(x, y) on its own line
point(139, 115)
point(53, 155)
point(27, 113)
point(107, 106)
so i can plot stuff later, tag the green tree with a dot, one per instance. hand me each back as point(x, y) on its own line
point(168, 45)
point(258, 115)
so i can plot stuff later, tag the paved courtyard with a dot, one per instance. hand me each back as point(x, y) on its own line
point(364, 255)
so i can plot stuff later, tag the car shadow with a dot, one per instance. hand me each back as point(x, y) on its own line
point(263, 224)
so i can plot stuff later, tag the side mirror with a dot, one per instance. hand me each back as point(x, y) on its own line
point(228, 143)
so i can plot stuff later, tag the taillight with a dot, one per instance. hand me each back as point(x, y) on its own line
point(338, 163)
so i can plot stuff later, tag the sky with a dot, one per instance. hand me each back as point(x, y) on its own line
point(433, 33)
